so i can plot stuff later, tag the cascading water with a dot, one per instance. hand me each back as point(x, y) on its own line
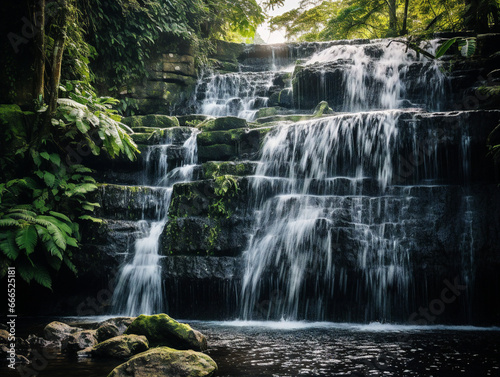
point(139, 288)
point(376, 75)
point(327, 194)
point(237, 94)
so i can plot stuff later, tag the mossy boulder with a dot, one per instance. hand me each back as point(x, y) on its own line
point(223, 124)
point(152, 120)
point(162, 330)
point(166, 362)
point(322, 109)
point(121, 347)
point(193, 120)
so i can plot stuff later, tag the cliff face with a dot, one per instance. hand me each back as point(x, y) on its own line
point(358, 212)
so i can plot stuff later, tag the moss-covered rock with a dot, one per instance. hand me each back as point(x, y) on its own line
point(322, 109)
point(162, 330)
point(204, 220)
point(155, 136)
point(121, 347)
point(229, 145)
point(285, 98)
point(213, 169)
point(193, 120)
point(266, 112)
point(152, 120)
point(223, 124)
point(165, 362)
point(284, 118)
point(129, 202)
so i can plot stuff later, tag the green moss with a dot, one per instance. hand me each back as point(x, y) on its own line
point(165, 361)
point(214, 169)
point(266, 112)
point(152, 120)
point(282, 118)
point(223, 124)
point(322, 109)
point(162, 330)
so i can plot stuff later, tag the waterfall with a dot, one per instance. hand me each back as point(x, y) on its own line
point(139, 288)
point(238, 94)
point(334, 198)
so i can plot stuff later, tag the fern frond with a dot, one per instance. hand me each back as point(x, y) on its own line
point(26, 238)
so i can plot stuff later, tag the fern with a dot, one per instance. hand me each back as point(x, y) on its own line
point(26, 238)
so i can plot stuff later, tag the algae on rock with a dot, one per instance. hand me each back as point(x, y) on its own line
point(162, 330)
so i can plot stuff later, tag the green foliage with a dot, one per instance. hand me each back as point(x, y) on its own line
point(33, 236)
point(85, 116)
point(125, 32)
point(43, 198)
point(225, 188)
point(305, 24)
point(330, 20)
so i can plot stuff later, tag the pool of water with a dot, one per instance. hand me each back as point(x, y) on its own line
point(326, 349)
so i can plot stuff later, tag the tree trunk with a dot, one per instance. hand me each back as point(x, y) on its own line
point(38, 20)
point(56, 63)
point(404, 30)
point(393, 19)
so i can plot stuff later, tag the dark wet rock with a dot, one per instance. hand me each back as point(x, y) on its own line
point(106, 331)
point(58, 331)
point(121, 323)
point(121, 347)
point(80, 340)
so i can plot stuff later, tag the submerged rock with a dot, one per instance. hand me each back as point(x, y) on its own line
point(121, 347)
point(162, 330)
point(164, 361)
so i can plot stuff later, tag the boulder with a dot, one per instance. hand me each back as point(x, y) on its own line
point(162, 330)
point(164, 361)
point(121, 347)
point(223, 124)
point(107, 331)
point(122, 323)
point(80, 340)
point(58, 331)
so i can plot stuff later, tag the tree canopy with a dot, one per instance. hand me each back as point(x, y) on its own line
point(325, 20)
